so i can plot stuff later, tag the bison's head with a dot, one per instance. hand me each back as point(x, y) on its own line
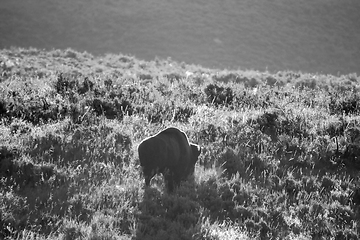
point(195, 152)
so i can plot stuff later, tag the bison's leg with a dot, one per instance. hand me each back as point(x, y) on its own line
point(169, 180)
point(147, 181)
point(176, 179)
point(172, 179)
point(170, 185)
point(148, 174)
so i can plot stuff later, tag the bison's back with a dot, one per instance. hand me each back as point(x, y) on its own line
point(177, 143)
point(153, 152)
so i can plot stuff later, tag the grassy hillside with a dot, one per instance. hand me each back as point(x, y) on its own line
point(314, 36)
point(280, 153)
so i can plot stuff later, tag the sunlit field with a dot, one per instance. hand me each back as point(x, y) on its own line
point(280, 151)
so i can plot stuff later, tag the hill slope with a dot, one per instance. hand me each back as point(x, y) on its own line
point(311, 36)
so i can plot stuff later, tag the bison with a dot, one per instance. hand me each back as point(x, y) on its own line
point(169, 152)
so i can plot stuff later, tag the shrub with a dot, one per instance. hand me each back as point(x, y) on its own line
point(65, 83)
point(243, 213)
point(247, 99)
point(35, 110)
point(269, 123)
point(343, 216)
point(345, 104)
point(264, 230)
point(335, 128)
point(272, 81)
point(7, 168)
point(209, 198)
point(317, 210)
point(219, 95)
point(310, 185)
point(352, 135)
point(112, 109)
point(227, 77)
point(157, 113)
point(83, 145)
point(228, 205)
point(24, 174)
point(277, 221)
point(355, 196)
point(244, 195)
point(145, 77)
point(292, 187)
point(182, 114)
point(231, 163)
point(173, 76)
point(275, 182)
point(40, 198)
point(209, 133)
point(306, 83)
point(86, 86)
point(327, 184)
point(102, 107)
point(2, 108)
point(345, 235)
point(251, 226)
point(350, 158)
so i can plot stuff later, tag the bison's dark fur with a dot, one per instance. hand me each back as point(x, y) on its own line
point(169, 152)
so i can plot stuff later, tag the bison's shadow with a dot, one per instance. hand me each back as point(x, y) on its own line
point(167, 215)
